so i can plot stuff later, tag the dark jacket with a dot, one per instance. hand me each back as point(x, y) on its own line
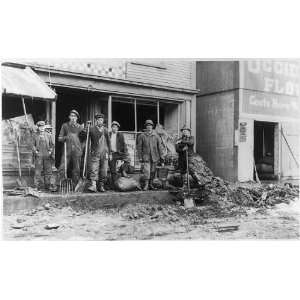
point(95, 136)
point(185, 141)
point(149, 147)
point(70, 134)
point(49, 143)
point(120, 142)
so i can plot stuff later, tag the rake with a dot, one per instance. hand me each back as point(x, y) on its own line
point(84, 181)
point(66, 184)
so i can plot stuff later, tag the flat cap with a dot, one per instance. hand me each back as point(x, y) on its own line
point(115, 123)
point(99, 115)
point(40, 123)
point(149, 122)
point(185, 128)
point(73, 111)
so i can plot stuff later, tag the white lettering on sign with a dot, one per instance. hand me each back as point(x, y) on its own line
point(287, 69)
point(273, 103)
point(277, 86)
point(263, 102)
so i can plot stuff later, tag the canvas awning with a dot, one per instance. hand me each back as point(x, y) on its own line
point(22, 81)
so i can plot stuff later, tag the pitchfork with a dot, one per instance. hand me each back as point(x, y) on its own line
point(66, 184)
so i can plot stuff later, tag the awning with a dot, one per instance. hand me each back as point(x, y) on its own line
point(24, 82)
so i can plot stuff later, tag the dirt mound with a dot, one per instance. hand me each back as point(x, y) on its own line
point(251, 194)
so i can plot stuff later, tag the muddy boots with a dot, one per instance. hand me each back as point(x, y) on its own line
point(93, 187)
point(101, 187)
point(151, 186)
point(146, 186)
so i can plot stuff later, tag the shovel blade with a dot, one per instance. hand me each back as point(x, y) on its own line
point(189, 202)
point(80, 185)
point(21, 183)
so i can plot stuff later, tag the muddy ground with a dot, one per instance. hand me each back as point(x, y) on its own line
point(212, 220)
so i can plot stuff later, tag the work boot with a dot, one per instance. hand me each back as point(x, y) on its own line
point(146, 186)
point(53, 188)
point(93, 187)
point(151, 186)
point(101, 187)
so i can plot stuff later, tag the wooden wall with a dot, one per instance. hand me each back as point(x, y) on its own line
point(170, 73)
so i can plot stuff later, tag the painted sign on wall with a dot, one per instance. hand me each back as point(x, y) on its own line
point(279, 77)
point(270, 104)
point(271, 88)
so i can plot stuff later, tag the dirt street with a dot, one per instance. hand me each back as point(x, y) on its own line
point(159, 222)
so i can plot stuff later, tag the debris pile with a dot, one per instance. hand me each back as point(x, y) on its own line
point(250, 194)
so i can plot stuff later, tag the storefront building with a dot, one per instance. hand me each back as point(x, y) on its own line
point(248, 118)
point(128, 91)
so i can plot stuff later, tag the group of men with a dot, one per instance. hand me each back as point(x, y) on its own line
point(107, 147)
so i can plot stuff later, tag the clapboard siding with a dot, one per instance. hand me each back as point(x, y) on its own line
point(172, 73)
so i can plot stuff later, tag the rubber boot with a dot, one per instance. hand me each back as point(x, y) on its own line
point(93, 187)
point(146, 186)
point(101, 187)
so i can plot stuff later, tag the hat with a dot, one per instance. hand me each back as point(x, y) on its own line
point(99, 115)
point(73, 111)
point(185, 128)
point(149, 122)
point(115, 123)
point(40, 123)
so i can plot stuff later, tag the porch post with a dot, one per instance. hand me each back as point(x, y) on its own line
point(53, 118)
point(157, 105)
point(109, 111)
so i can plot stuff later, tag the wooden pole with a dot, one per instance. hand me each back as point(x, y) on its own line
point(157, 105)
point(109, 111)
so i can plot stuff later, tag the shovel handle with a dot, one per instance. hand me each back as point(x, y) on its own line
point(65, 156)
point(86, 149)
point(18, 155)
point(187, 170)
point(24, 110)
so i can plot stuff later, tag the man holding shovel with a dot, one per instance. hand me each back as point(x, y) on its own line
point(43, 150)
point(100, 153)
point(185, 149)
point(69, 134)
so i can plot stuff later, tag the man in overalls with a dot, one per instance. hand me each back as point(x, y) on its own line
point(150, 152)
point(185, 148)
point(100, 153)
point(119, 151)
point(69, 134)
point(43, 150)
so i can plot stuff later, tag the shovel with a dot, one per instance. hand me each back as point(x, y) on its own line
point(188, 200)
point(66, 184)
point(83, 181)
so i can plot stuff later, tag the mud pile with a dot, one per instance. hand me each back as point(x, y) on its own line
point(250, 194)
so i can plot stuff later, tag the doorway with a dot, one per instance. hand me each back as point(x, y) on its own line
point(264, 150)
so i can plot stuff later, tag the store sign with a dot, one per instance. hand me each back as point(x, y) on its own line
point(270, 104)
point(279, 77)
point(243, 132)
point(131, 146)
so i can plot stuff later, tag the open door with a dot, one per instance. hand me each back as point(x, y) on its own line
point(264, 149)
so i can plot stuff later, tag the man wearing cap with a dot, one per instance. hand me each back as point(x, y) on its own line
point(43, 150)
point(150, 151)
point(69, 134)
point(185, 146)
point(118, 150)
point(100, 153)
